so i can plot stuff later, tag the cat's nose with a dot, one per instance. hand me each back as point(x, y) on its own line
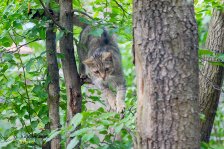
point(103, 76)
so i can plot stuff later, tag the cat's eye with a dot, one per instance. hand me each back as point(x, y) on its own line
point(96, 72)
point(106, 69)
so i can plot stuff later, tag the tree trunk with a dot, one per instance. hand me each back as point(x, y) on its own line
point(72, 80)
point(211, 76)
point(166, 46)
point(53, 86)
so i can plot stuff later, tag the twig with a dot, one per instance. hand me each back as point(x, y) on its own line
point(38, 119)
point(18, 47)
point(79, 11)
point(25, 80)
point(119, 5)
point(49, 14)
point(22, 121)
point(106, 5)
point(17, 33)
point(130, 110)
point(26, 90)
point(134, 138)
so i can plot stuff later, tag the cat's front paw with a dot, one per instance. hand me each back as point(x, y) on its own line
point(120, 106)
point(85, 79)
point(112, 104)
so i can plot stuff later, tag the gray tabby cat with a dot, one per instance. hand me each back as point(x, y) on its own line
point(102, 64)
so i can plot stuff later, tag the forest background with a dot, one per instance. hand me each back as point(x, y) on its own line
point(24, 77)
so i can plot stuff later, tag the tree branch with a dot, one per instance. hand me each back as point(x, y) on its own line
point(119, 5)
point(79, 11)
point(25, 84)
point(49, 14)
point(18, 47)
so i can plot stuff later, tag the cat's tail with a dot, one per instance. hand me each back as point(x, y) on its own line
point(107, 39)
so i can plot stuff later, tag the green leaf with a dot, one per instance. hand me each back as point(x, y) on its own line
point(7, 44)
point(106, 122)
point(72, 144)
point(60, 35)
point(37, 89)
point(45, 119)
point(95, 140)
point(53, 134)
point(17, 55)
point(5, 67)
point(7, 57)
point(80, 132)
point(34, 124)
point(29, 64)
point(5, 144)
point(118, 128)
point(17, 24)
point(96, 32)
point(87, 137)
point(42, 33)
point(204, 52)
point(84, 20)
point(216, 63)
point(107, 115)
point(60, 55)
point(76, 120)
point(202, 117)
point(220, 56)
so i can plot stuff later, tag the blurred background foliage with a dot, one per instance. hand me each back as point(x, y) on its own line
point(23, 77)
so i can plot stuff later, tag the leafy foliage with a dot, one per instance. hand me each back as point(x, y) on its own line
point(23, 108)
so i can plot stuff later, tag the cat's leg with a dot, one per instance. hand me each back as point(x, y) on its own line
point(82, 52)
point(84, 79)
point(107, 94)
point(110, 97)
point(120, 104)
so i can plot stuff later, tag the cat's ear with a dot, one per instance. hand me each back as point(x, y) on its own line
point(88, 62)
point(107, 56)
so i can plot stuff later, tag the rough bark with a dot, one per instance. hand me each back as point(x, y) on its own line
point(72, 80)
point(211, 76)
point(166, 46)
point(53, 86)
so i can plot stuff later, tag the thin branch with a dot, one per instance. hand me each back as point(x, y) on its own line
point(79, 11)
point(26, 90)
point(106, 5)
point(119, 5)
point(16, 32)
point(134, 138)
point(22, 121)
point(105, 15)
point(25, 80)
point(18, 47)
point(49, 14)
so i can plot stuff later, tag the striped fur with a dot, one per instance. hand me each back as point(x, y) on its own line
point(100, 59)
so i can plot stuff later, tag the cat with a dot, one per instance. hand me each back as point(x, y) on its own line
point(100, 60)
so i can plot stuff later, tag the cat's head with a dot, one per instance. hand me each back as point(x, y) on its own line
point(100, 65)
